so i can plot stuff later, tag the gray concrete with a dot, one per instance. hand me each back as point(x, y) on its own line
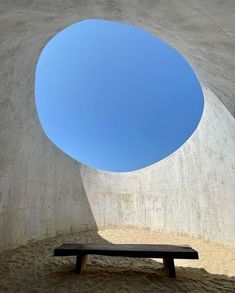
point(44, 192)
point(190, 192)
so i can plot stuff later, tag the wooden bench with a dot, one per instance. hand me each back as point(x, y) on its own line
point(167, 252)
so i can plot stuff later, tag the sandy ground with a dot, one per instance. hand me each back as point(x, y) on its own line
point(32, 268)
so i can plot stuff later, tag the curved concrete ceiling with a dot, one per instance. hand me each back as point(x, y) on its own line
point(44, 192)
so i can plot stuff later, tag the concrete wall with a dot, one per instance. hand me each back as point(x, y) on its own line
point(44, 192)
point(191, 191)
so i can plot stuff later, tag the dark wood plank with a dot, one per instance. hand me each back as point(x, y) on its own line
point(130, 250)
point(165, 251)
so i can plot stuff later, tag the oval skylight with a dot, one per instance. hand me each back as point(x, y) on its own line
point(114, 96)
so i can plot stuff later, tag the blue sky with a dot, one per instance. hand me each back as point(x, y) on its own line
point(115, 97)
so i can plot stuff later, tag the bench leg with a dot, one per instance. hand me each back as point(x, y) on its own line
point(81, 262)
point(169, 267)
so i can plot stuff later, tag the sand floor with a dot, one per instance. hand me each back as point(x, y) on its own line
point(32, 268)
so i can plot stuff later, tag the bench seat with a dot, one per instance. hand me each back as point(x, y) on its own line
point(165, 251)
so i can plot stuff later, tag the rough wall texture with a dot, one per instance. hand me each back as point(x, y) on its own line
point(44, 192)
point(191, 191)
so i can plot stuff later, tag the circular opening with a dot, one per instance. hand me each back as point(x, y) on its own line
point(114, 96)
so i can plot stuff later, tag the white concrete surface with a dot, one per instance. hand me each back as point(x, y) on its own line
point(190, 192)
point(44, 192)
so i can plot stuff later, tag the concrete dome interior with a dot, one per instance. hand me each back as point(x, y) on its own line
point(43, 192)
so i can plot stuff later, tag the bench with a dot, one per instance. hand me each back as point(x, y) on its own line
point(167, 252)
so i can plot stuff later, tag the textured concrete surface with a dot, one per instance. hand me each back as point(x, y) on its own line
point(191, 191)
point(44, 192)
